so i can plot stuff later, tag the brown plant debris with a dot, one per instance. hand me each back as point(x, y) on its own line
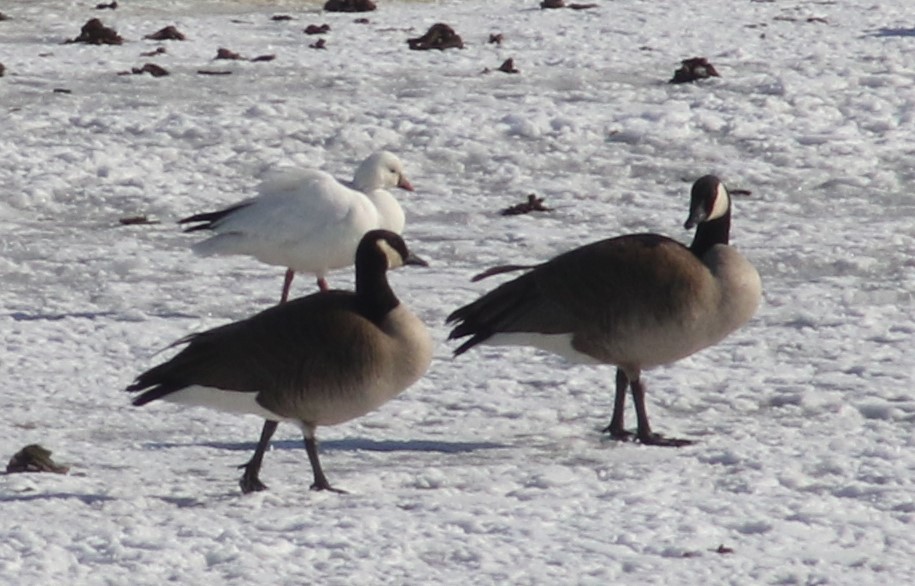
point(96, 33)
point(508, 66)
point(4, 17)
point(362, 21)
point(2, 69)
point(319, 44)
point(109, 6)
point(561, 4)
point(723, 550)
point(439, 36)
point(62, 90)
point(136, 221)
point(496, 39)
point(150, 68)
point(34, 458)
point(212, 72)
point(533, 204)
point(280, 17)
point(349, 6)
point(694, 69)
point(811, 19)
point(223, 53)
point(169, 33)
point(314, 29)
point(154, 52)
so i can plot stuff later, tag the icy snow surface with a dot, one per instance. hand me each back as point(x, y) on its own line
point(492, 469)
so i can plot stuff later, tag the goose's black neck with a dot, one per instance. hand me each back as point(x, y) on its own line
point(374, 296)
point(710, 233)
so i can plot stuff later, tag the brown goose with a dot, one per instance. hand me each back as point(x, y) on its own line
point(635, 301)
point(319, 360)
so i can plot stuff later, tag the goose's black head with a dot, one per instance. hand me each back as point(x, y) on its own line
point(385, 250)
point(709, 213)
point(709, 200)
point(378, 252)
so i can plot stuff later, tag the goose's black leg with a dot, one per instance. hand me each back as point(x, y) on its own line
point(320, 483)
point(644, 432)
point(249, 480)
point(616, 429)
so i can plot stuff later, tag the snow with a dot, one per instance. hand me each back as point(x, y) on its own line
point(491, 469)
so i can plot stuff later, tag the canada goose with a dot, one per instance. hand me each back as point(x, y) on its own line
point(319, 360)
point(635, 301)
point(306, 220)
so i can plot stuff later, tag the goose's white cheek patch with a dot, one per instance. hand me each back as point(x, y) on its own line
point(395, 260)
point(722, 202)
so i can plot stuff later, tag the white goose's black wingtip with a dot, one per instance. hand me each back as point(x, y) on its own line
point(208, 220)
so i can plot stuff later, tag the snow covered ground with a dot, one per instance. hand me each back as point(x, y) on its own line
point(492, 469)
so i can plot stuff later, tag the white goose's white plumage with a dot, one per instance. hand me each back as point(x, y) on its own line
point(314, 361)
point(306, 220)
point(636, 301)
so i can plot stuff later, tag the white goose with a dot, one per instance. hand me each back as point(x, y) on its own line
point(307, 221)
point(318, 360)
point(635, 301)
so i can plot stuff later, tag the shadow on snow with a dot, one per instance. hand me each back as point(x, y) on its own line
point(349, 445)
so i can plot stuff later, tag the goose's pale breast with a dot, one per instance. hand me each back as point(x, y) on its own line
point(363, 367)
point(700, 307)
